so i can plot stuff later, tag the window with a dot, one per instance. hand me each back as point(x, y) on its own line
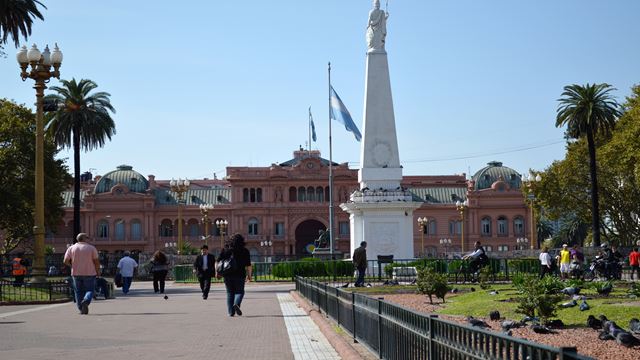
point(455, 227)
point(252, 195)
point(326, 194)
point(503, 226)
point(166, 228)
point(343, 228)
point(488, 248)
point(279, 229)
point(485, 226)
point(103, 229)
point(259, 195)
point(136, 229)
point(293, 195)
point(319, 194)
point(253, 226)
point(518, 226)
point(503, 247)
point(120, 229)
point(431, 227)
point(194, 229)
point(245, 195)
point(302, 194)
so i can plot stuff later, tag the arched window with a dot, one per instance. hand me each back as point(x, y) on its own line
point(302, 194)
point(293, 194)
point(326, 194)
point(136, 229)
point(485, 226)
point(259, 195)
point(253, 226)
point(431, 227)
point(455, 227)
point(245, 195)
point(119, 229)
point(503, 226)
point(166, 228)
point(103, 229)
point(252, 195)
point(194, 228)
point(319, 194)
point(518, 226)
point(311, 194)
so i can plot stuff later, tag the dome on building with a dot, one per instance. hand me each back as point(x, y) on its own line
point(124, 175)
point(493, 172)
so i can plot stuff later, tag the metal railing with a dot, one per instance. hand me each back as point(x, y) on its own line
point(394, 332)
point(34, 292)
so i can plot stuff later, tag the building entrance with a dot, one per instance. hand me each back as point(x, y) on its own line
point(306, 233)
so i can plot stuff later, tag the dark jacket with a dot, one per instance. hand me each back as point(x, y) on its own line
point(211, 263)
point(360, 258)
point(242, 259)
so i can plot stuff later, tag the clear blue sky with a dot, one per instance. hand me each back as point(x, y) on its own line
point(201, 85)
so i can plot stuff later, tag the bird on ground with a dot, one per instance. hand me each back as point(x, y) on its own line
point(345, 285)
point(166, 297)
point(634, 326)
point(605, 290)
point(594, 323)
point(569, 304)
point(584, 306)
point(509, 324)
point(571, 290)
point(555, 324)
point(454, 290)
point(494, 315)
point(477, 322)
point(540, 329)
point(527, 319)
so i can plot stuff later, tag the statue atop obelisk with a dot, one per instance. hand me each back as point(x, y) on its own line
point(381, 211)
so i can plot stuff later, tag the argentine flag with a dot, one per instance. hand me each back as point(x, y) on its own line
point(340, 113)
point(313, 126)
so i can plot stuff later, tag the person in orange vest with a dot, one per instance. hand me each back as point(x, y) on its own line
point(19, 269)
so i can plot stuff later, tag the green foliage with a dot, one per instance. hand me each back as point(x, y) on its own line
point(48, 250)
point(634, 290)
point(187, 249)
point(484, 277)
point(599, 285)
point(518, 279)
point(313, 267)
point(578, 283)
point(431, 283)
point(17, 159)
point(551, 284)
point(529, 266)
point(16, 20)
point(535, 299)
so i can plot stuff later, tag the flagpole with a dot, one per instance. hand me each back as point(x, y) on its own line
point(309, 150)
point(330, 171)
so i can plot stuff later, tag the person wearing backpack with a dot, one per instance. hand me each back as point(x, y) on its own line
point(239, 272)
point(204, 269)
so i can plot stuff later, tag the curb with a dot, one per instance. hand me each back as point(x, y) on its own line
point(345, 350)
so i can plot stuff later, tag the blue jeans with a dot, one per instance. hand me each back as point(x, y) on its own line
point(84, 287)
point(126, 283)
point(360, 279)
point(235, 292)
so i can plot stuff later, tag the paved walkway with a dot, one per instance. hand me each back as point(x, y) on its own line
point(142, 325)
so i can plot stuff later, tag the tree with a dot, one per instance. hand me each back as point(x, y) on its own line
point(17, 171)
point(83, 123)
point(16, 18)
point(586, 111)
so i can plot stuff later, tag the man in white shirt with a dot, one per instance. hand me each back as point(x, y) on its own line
point(126, 267)
point(546, 264)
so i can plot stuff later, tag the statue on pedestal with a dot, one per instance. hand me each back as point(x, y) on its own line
point(376, 28)
point(322, 242)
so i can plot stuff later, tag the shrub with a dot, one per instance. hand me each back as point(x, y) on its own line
point(634, 290)
point(484, 276)
point(518, 279)
point(534, 298)
point(552, 284)
point(339, 268)
point(431, 283)
point(529, 266)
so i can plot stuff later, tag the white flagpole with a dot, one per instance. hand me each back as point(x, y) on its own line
point(330, 172)
point(309, 131)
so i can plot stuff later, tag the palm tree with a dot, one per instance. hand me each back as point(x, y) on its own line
point(588, 110)
point(82, 123)
point(16, 18)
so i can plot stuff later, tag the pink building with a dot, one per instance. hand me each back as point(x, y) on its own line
point(286, 204)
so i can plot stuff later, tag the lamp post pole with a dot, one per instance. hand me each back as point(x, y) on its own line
point(179, 187)
point(530, 184)
point(40, 72)
point(445, 243)
point(266, 245)
point(204, 210)
point(522, 243)
point(222, 227)
point(462, 206)
point(421, 224)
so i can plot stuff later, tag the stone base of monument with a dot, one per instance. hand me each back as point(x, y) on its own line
point(325, 254)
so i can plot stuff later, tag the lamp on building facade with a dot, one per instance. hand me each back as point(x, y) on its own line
point(179, 187)
point(422, 223)
point(445, 243)
point(530, 183)
point(41, 63)
point(462, 206)
point(222, 227)
point(204, 210)
point(522, 243)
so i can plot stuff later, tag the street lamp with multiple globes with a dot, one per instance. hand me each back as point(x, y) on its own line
point(445, 243)
point(529, 182)
point(522, 243)
point(179, 187)
point(222, 227)
point(40, 72)
point(204, 210)
point(266, 245)
point(422, 223)
point(462, 206)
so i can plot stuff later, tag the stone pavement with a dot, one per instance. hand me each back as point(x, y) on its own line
point(142, 325)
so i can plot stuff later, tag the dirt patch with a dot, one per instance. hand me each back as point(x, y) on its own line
point(584, 339)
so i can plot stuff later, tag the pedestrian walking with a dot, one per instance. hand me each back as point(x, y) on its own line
point(204, 269)
point(360, 263)
point(19, 269)
point(234, 280)
point(546, 266)
point(85, 267)
point(634, 262)
point(126, 268)
point(159, 269)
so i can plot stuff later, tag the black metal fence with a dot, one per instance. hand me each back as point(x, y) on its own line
point(394, 332)
point(11, 292)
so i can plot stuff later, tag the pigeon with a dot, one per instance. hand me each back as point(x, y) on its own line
point(539, 329)
point(594, 323)
point(509, 324)
point(571, 290)
point(472, 289)
point(621, 336)
point(603, 319)
point(166, 297)
point(454, 290)
point(508, 333)
point(634, 326)
point(530, 319)
point(476, 322)
point(578, 297)
point(569, 304)
point(369, 285)
point(493, 293)
point(584, 306)
point(345, 285)
point(603, 335)
point(494, 315)
point(605, 290)
point(555, 324)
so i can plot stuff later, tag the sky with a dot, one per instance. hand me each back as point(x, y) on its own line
point(202, 85)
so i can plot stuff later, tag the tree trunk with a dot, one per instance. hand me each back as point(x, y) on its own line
point(595, 211)
point(76, 183)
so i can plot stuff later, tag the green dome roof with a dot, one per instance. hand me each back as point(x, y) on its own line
point(493, 172)
point(124, 175)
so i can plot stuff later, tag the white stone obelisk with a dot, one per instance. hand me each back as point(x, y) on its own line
point(381, 212)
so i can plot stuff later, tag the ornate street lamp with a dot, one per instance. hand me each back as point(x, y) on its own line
point(204, 210)
point(40, 72)
point(179, 187)
point(462, 206)
point(530, 183)
point(266, 245)
point(222, 227)
point(522, 243)
point(422, 222)
point(445, 243)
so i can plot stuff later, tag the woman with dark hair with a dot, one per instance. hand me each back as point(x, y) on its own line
point(159, 269)
point(234, 280)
